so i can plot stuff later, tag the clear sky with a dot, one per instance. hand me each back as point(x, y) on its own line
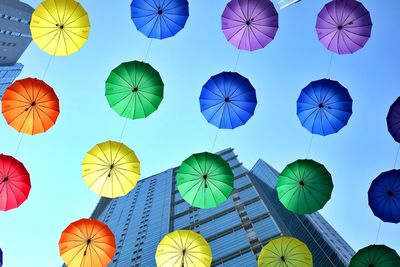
point(355, 156)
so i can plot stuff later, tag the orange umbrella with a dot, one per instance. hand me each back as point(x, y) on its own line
point(87, 243)
point(30, 106)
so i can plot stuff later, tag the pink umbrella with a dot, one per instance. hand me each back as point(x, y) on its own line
point(250, 24)
point(344, 26)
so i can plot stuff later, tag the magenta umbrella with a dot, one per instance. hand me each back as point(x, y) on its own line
point(344, 26)
point(250, 24)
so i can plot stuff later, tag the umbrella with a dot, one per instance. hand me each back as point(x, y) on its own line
point(285, 3)
point(60, 27)
point(284, 252)
point(205, 180)
point(159, 19)
point(250, 24)
point(384, 196)
point(15, 183)
point(183, 248)
point(228, 100)
point(375, 256)
point(87, 243)
point(344, 26)
point(111, 169)
point(30, 106)
point(393, 120)
point(134, 89)
point(1, 258)
point(304, 186)
point(324, 107)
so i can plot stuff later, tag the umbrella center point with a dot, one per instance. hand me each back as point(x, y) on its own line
point(111, 166)
point(88, 241)
point(371, 265)
point(205, 176)
point(390, 193)
point(227, 100)
point(321, 105)
point(248, 22)
point(282, 258)
point(159, 12)
point(5, 179)
point(135, 89)
point(301, 183)
point(340, 27)
point(184, 252)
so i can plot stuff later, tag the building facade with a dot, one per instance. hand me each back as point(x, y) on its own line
point(7, 76)
point(15, 37)
point(236, 230)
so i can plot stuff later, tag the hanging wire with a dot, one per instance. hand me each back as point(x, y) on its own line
point(329, 66)
point(379, 230)
point(397, 157)
point(309, 146)
point(237, 61)
point(215, 140)
point(148, 50)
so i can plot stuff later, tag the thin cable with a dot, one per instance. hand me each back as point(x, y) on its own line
point(329, 66)
point(237, 61)
point(397, 157)
point(377, 234)
point(148, 50)
point(309, 146)
point(215, 140)
point(123, 130)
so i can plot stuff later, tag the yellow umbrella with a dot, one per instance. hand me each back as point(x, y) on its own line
point(60, 27)
point(111, 169)
point(285, 252)
point(183, 248)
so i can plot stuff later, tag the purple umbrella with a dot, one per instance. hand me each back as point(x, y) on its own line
point(250, 24)
point(393, 120)
point(344, 26)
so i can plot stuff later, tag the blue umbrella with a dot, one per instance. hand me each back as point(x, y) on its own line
point(228, 100)
point(159, 19)
point(324, 107)
point(384, 196)
point(393, 120)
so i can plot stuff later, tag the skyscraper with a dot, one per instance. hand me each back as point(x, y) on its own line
point(236, 230)
point(15, 37)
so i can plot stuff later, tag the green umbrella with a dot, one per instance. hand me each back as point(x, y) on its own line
point(205, 180)
point(134, 89)
point(375, 256)
point(304, 186)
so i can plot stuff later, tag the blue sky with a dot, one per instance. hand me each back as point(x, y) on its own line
point(355, 156)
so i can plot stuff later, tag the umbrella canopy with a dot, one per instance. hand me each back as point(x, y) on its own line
point(30, 106)
point(134, 89)
point(228, 100)
point(183, 248)
point(87, 243)
point(1, 258)
point(324, 107)
point(15, 183)
point(205, 180)
point(375, 256)
point(159, 19)
point(304, 186)
point(393, 120)
point(250, 24)
point(344, 26)
point(284, 252)
point(60, 27)
point(111, 169)
point(384, 196)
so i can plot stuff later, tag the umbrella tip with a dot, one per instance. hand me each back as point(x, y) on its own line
point(301, 183)
point(283, 258)
point(321, 105)
point(226, 100)
point(390, 193)
point(339, 27)
point(135, 89)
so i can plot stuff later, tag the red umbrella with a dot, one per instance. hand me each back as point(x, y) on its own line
point(15, 183)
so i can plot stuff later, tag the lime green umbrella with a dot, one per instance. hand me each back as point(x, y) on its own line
point(134, 89)
point(304, 186)
point(375, 256)
point(205, 180)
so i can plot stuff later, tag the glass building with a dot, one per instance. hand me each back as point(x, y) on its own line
point(285, 3)
point(15, 35)
point(236, 230)
point(7, 76)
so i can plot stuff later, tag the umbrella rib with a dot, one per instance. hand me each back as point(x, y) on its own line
point(239, 15)
point(50, 13)
point(67, 22)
